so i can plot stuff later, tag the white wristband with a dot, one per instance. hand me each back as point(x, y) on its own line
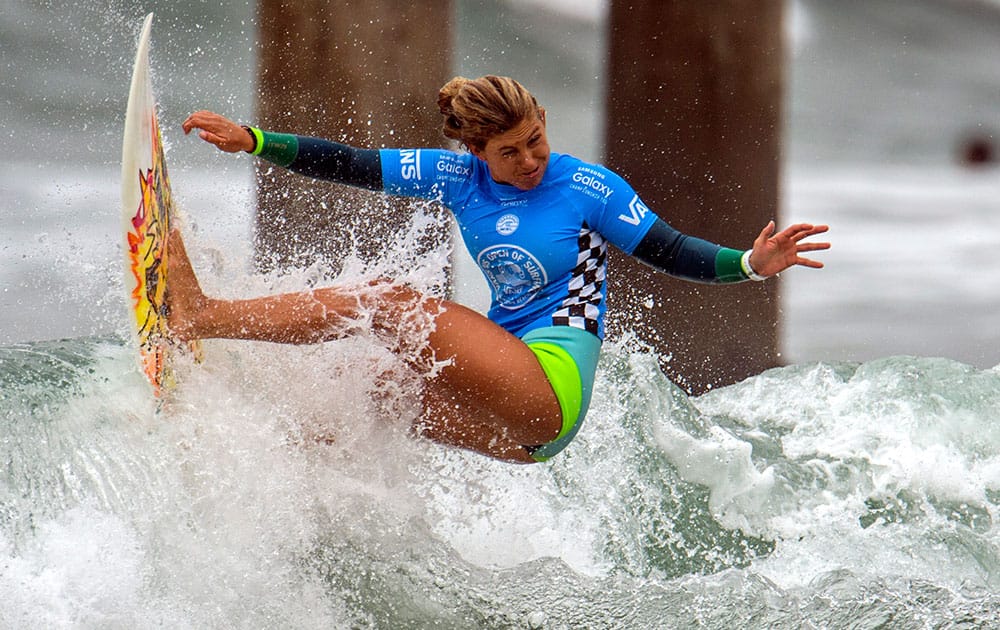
point(747, 269)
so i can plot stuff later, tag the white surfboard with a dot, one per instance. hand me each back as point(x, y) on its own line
point(146, 214)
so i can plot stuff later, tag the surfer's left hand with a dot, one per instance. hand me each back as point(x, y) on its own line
point(773, 253)
point(220, 131)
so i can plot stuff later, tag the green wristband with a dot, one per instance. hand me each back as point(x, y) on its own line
point(258, 140)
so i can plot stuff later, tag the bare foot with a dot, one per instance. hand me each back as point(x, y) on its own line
point(184, 295)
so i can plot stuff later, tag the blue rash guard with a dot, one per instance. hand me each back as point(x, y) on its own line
point(543, 251)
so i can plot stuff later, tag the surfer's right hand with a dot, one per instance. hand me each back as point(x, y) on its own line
point(220, 131)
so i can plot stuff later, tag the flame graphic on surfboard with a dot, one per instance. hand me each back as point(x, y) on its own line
point(147, 258)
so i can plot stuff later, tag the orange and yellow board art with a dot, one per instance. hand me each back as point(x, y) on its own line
point(147, 259)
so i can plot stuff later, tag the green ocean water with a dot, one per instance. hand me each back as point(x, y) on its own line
point(820, 495)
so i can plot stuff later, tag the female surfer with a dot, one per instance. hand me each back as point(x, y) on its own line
point(514, 384)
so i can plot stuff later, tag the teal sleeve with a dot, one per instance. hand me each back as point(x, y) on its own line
point(728, 267)
point(279, 148)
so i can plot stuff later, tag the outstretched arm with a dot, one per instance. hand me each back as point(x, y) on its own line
point(323, 159)
point(678, 254)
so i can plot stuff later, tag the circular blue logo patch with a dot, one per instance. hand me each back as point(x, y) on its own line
point(514, 274)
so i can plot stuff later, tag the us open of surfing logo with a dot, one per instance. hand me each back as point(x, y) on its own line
point(507, 224)
point(515, 275)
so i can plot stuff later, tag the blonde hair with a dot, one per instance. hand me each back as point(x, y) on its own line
point(476, 110)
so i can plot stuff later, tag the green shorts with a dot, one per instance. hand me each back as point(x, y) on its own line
point(568, 357)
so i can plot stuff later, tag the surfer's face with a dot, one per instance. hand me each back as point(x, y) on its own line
point(518, 157)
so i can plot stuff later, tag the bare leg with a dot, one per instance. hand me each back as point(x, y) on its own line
point(306, 317)
point(488, 394)
point(452, 421)
point(493, 376)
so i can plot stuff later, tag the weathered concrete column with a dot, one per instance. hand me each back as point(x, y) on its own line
point(363, 72)
point(694, 123)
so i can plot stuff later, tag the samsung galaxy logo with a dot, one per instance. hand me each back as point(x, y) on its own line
point(507, 224)
point(409, 163)
point(453, 168)
point(593, 183)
